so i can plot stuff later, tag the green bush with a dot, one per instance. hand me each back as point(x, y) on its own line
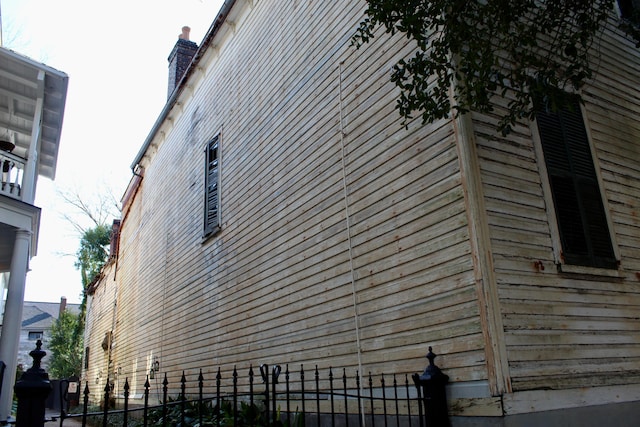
point(248, 414)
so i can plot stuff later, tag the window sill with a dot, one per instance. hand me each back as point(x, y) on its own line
point(210, 234)
point(589, 271)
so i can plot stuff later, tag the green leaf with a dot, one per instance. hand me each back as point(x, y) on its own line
point(492, 48)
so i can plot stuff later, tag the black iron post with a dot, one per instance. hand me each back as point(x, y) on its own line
point(432, 393)
point(32, 390)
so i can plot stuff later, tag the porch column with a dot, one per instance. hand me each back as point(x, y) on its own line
point(12, 322)
point(30, 177)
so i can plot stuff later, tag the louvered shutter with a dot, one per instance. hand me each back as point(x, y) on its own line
point(582, 222)
point(629, 9)
point(212, 200)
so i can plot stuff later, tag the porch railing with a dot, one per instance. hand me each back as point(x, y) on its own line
point(12, 173)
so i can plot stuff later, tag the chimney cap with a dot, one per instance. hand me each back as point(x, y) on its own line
point(185, 33)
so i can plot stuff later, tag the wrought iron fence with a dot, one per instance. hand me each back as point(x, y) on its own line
point(273, 397)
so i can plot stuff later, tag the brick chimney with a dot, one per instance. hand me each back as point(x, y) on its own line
point(180, 58)
point(63, 306)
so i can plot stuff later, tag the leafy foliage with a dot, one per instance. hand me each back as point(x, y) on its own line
point(529, 51)
point(91, 257)
point(66, 346)
point(248, 414)
point(93, 252)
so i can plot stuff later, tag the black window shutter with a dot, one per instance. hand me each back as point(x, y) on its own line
point(629, 9)
point(582, 222)
point(211, 183)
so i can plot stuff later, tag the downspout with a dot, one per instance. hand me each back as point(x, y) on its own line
point(114, 319)
point(354, 291)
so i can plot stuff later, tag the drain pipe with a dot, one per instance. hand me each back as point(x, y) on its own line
point(354, 292)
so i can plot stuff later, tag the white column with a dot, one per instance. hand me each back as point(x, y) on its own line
point(30, 177)
point(10, 338)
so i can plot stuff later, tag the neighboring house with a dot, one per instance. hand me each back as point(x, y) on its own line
point(280, 212)
point(37, 320)
point(32, 101)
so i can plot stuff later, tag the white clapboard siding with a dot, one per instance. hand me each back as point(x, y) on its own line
point(277, 283)
point(99, 320)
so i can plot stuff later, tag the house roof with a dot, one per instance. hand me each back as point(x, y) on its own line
point(41, 315)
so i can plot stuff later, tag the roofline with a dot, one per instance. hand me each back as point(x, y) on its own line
point(63, 107)
point(34, 63)
point(206, 42)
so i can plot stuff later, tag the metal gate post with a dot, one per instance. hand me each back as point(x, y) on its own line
point(32, 390)
point(431, 388)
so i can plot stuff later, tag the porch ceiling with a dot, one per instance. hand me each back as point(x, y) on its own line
point(24, 86)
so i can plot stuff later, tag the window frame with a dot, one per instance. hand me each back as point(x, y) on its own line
point(594, 265)
point(212, 227)
point(39, 335)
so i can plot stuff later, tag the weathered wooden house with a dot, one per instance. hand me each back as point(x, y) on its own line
point(279, 212)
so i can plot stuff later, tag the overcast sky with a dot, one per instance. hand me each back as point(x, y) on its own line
point(115, 54)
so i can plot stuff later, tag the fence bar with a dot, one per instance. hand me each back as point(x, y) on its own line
point(384, 400)
point(317, 376)
point(333, 411)
point(360, 406)
point(165, 387)
point(86, 404)
point(107, 388)
point(274, 380)
point(200, 394)
point(183, 397)
point(126, 402)
point(264, 372)
point(217, 410)
point(418, 388)
point(251, 385)
point(235, 396)
point(395, 395)
point(373, 421)
point(346, 400)
point(286, 380)
point(304, 412)
point(406, 386)
point(145, 416)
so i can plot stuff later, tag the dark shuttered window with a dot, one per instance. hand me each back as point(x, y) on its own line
point(584, 232)
point(630, 9)
point(212, 188)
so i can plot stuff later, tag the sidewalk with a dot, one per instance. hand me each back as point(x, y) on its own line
point(68, 422)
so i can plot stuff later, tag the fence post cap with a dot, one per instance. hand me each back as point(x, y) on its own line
point(34, 379)
point(432, 372)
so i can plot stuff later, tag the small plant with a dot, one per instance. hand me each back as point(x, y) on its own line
point(247, 415)
point(174, 414)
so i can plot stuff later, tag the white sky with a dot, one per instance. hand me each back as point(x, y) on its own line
point(115, 54)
